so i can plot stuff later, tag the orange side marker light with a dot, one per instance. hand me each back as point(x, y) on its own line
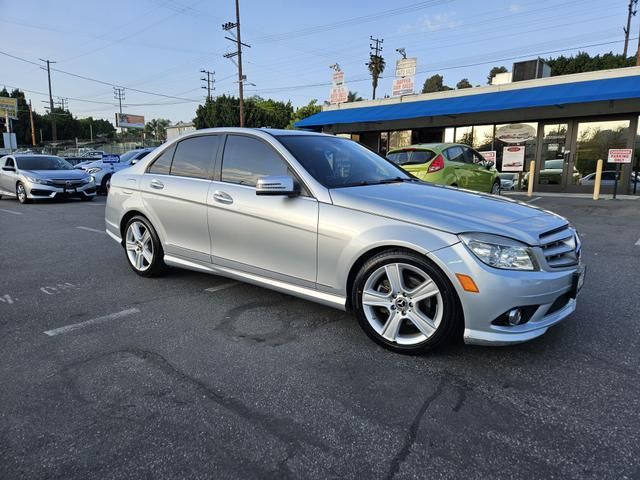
point(467, 283)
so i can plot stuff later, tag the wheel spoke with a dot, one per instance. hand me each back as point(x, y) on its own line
point(135, 229)
point(394, 276)
point(392, 326)
point(146, 237)
point(139, 258)
point(376, 299)
point(422, 323)
point(131, 246)
point(148, 256)
point(425, 290)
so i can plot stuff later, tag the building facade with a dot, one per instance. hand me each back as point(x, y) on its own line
point(564, 123)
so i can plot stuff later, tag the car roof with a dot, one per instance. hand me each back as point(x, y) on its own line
point(276, 132)
point(18, 155)
point(429, 146)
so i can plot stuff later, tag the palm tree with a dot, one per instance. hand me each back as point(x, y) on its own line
point(157, 128)
point(354, 97)
point(376, 67)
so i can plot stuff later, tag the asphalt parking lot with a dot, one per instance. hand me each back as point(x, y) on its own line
point(106, 374)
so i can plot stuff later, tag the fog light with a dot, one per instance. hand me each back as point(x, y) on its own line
point(514, 317)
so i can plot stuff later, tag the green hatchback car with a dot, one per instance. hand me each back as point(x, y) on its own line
point(450, 164)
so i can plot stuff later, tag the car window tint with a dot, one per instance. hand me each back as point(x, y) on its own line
point(455, 154)
point(162, 164)
point(411, 157)
point(248, 159)
point(9, 162)
point(467, 155)
point(194, 156)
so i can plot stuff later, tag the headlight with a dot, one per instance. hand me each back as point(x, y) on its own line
point(499, 252)
point(41, 181)
point(94, 170)
point(87, 179)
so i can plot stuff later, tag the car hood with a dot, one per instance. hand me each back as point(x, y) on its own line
point(450, 209)
point(56, 174)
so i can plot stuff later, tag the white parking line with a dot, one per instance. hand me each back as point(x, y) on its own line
point(10, 211)
point(217, 288)
point(535, 199)
point(94, 321)
point(88, 229)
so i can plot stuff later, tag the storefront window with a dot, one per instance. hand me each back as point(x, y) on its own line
point(515, 145)
point(384, 143)
point(594, 139)
point(483, 138)
point(635, 175)
point(464, 135)
point(449, 135)
point(399, 138)
point(554, 143)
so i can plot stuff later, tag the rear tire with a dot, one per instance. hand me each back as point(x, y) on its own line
point(495, 188)
point(143, 248)
point(405, 303)
point(21, 193)
point(103, 185)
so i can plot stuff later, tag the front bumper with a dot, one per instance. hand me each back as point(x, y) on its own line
point(37, 191)
point(548, 294)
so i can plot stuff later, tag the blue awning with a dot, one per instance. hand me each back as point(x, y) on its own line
point(567, 93)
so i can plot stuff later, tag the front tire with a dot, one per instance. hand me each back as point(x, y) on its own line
point(495, 188)
point(21, 193)
point(143, 248)
point(104, 185)
point(405, 303)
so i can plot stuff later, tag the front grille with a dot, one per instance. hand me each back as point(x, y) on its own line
point(560, 247)
point(66, 183)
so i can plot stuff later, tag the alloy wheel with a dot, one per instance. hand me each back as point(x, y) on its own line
point(21, 192)
point(139, 246)
point(402, 303)
point(495, 189)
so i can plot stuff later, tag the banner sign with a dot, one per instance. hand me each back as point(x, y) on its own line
point(9, 106)
point(402, 86)
point(126, 120)
point(489, 156)
point(406, 67)
point(10, 141)
point(337, 78)
point(339, 94)
point(513, 159)
point(516, 133)
point(620, 155)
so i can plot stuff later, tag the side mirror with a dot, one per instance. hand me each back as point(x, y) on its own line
point(277, 185)
point(9, 169)
point(489, 165)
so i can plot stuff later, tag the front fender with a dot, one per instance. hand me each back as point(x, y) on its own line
point(345, 235)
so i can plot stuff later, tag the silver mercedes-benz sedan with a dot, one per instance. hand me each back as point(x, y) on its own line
point(326, 219)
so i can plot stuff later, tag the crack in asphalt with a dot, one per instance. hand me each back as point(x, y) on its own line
point(410, 437)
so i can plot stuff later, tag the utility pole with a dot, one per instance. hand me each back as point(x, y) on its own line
point(33, 131)
point(63, 103)
point(631, 13)
point(237, 40)
point(54, 132)
point(375, 63)
point(210, 81)
point(91, 131)
point(118, 94)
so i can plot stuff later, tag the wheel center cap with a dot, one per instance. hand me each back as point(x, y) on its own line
point(401, 303)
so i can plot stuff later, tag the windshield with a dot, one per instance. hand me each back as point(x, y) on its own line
point(338, 162)
point(43, 163)
point(553, 164)
point(411, 157)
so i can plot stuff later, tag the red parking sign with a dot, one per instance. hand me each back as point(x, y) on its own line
point(620, 155)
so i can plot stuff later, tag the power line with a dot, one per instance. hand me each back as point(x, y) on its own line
point(209, 82)
point(227, 27)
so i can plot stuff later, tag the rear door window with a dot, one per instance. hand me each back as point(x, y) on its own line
point(411, 157)
point(162, 164)
point(194, 157)
point(454, 154)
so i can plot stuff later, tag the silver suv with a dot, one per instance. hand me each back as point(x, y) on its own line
point(32, 177)
point(325, 219)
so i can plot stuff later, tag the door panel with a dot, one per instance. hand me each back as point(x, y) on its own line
point(179, 209)
point(455, 159)
point(273, 233)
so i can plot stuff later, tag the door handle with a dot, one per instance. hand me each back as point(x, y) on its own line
point(157, 184)
point(222, 197)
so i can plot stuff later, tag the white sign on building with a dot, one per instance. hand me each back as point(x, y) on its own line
point(339, 91)
point(620, 155)
point(403, 84)
point(513, 158)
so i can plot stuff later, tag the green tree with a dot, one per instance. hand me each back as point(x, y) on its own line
point(376, 67)
point(354, 97)
point(303, 112)
point(157, 128)
point(583, 62)
point(224, 111)
point(435, 83)
point(494, 71)
point(464, 83)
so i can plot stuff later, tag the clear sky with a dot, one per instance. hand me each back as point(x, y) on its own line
point(161, 45)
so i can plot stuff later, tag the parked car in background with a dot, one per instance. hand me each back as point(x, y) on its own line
point(451, 164)
point(508, 181)
point(607, 180)
point(31, 177)
point(102, 171)
point(326, 219)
